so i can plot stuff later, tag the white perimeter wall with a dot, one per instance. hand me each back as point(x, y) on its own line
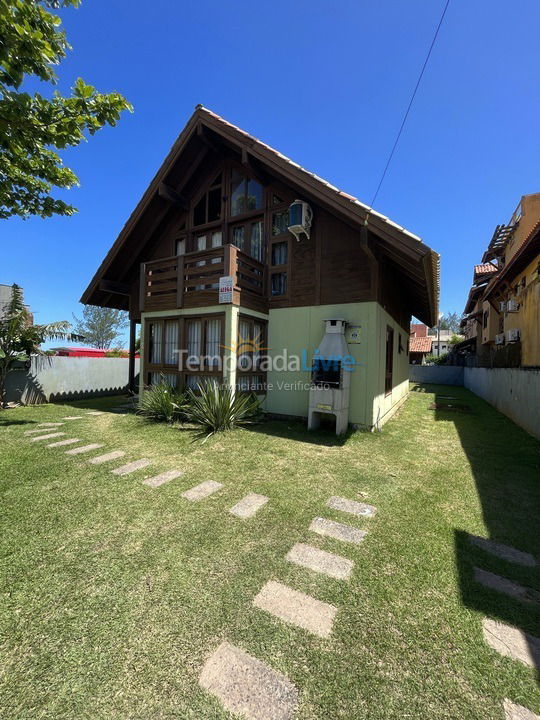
point(513, 391)
point(52, 378)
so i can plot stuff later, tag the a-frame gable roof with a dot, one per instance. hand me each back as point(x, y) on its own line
point(413, 258)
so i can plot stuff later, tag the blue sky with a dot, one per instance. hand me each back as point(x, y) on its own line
point(324, 82)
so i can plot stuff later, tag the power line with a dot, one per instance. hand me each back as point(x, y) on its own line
point(409, 107)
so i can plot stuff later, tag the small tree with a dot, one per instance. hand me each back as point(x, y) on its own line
point(19, 338)
point(33, 127)
point(101, 326)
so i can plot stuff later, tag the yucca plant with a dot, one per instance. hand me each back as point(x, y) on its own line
point(218, 407)
point(161, 402)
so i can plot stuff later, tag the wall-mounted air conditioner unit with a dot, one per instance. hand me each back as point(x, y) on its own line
point(512, 306)
point(512, 335)
point(502, 307)
point(499, 339)
point(300, 219)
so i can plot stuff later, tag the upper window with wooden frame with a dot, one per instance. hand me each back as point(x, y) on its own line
point(209, 207)
point(279, 251)
point(247, 194)
point(249, 238)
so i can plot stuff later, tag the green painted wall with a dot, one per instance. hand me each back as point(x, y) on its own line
point(302, 328)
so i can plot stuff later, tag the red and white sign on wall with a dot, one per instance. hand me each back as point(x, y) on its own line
point(226, 289)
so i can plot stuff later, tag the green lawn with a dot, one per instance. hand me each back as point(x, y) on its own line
point(113, 594)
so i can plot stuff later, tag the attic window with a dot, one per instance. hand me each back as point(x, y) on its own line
point(208, 208)
point(246, 194)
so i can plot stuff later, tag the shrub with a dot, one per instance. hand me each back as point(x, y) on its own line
point(217, 407)
point(437, 359)
point(161, 403)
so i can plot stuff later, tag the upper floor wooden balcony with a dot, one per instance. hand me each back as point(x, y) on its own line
point(192, 280)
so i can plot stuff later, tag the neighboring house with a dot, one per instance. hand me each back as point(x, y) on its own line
point(419, 344)
point(500, 322)
point(5, 298)
point(442, 341)
point(87, 352)
point(234, 249)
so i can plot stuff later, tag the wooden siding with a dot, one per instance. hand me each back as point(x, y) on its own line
point(332, 266)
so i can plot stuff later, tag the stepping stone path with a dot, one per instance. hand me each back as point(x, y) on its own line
point(248, 687)
point(84, 449)
point(351, 506)
point(505, 586)
point(199, 492)
point(320, 561)
point(114, 455)
point(296, 608)
point(60, 443)
point(73, 417)
point(162, 478)
point(518, 712)
point(505, 552)
point(336, 530)
point(132, 467)
point(50, 424)
point(248, 505)
point(512, 642)
point(47, 436)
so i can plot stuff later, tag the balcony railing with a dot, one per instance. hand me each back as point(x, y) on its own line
point(192, 280)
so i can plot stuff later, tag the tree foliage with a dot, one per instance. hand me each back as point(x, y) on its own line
point(33, 127)
point(19, 338)
point(101, 326)
point(450, 322)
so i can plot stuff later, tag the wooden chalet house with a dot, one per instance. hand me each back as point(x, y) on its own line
point(207, 263)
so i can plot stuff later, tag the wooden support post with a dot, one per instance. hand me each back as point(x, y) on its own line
point(131, 367)
point(180, 282)
point(230, 263)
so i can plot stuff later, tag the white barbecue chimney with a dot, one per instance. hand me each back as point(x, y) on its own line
point(330, 382)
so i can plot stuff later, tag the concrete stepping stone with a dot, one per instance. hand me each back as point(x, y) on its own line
point(162, 478)
point(114, 455)
point(351, 506)
point(74, 417)
point(512, 642)
point(338, 531)
point(199, 492)
point(320, 561)
point(50, 424)
point(35, 431)
point(505, 586)
point(84, 449)
point(132, 467)
point(505, 552)
point(249, 505)
point(296, 608)
point(95, 412)
point(248, 687)
point(517, 712)
point(61, 443)
point(47, 436)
